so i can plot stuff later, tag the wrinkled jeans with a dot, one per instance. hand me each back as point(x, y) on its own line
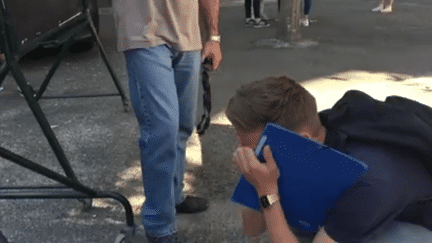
point(403, 232)
point(399, 232)
point(163, 84)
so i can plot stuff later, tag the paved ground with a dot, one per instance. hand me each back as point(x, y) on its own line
point(357, 49)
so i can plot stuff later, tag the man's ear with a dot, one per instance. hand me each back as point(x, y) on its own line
point(305, 135)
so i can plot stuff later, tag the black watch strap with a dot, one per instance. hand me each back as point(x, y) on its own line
point(268, 200)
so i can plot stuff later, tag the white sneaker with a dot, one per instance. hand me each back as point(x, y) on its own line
point(261, 24)
point(250, 22)
point(387, 10)
point(304, 21)
point(378, 8)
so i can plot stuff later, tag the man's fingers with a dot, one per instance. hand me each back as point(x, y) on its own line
point(216, 63)
point(246, 160)
point(241, 160)
point(212, 50)
point(268, 155)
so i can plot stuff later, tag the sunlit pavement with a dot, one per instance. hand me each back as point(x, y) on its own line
point(380, 54)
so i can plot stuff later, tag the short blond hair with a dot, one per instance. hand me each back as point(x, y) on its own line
point(279, 100)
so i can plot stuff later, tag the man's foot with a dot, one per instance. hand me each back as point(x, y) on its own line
point(165, 239)
point(250, 22)
point(192, 204)
point(388, 9)
point(261, 24)
point(378, 8)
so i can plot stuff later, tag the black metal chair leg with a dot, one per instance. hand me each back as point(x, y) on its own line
point(41, 119)
point(57, 62)
point(125, 99)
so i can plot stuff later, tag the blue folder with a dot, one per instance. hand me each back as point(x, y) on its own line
point(312, 177)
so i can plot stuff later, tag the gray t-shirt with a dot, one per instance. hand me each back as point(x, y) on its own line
point(148, 23)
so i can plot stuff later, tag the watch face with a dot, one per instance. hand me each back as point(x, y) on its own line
point(264, 201)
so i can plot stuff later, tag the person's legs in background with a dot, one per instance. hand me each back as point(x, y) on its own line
point(248, 8)
point(256, 20)
point(262, 14)
point(306, 10)
point(260, 23)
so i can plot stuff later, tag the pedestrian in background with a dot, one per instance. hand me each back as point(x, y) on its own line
point(162, 46)
point(256, 21)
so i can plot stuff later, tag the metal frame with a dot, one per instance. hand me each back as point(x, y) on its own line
point(71, 188)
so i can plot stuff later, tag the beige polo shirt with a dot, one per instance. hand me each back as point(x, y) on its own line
point(147, 23)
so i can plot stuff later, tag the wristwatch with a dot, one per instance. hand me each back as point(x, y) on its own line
point(215, 38)
point(268, 200)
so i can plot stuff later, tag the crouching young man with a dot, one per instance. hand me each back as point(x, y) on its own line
point(392, 137)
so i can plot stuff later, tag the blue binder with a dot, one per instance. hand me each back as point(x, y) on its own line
point(312, 177)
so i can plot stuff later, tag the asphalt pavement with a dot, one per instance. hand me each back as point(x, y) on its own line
point(381, 54)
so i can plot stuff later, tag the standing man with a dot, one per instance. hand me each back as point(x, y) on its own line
point(162, 46)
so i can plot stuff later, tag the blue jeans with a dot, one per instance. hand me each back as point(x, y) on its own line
point(163, 84)
point(400, 232)
point(307, 6)
point(403, 232)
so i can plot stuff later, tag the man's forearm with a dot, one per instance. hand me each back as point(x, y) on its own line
point(277, 224)
point(253, 222)
point(211, 12)
point(280, 231)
